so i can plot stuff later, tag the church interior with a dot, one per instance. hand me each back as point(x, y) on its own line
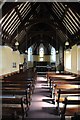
point(39, 60)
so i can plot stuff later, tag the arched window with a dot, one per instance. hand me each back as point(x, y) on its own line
point(41, 52)
point(30, 58)
point(53, 54)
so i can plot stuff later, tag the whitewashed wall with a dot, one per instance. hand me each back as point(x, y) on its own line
point(72, 60)
point(7, 58)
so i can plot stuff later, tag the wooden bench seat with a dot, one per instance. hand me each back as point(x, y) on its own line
point(69, 111)
point(59, 76)
point(67, 85)
point(73, 94)
point(64, 85)
point(54, 73)
point(76, 82)
point(19, 92)
point(15, 82)
point(14, 107)
point(71, 103)
point(21, 84)
point(17, 85)
point(18, 89)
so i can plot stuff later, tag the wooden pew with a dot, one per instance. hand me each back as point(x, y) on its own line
point(29, 75)
point(58, 77)
point(24, 75)
point(19, 92)
point(25, 82)
point(63, 85)
point(71, 93)
point(52, 74)
point(20, 78)
point(19, 85)
point(62, 81)
point(67, 88)
point(70, 111)
point(18, 88)
point(13, 108)
point(76, 116)
point(14, 83)
point(76, 82)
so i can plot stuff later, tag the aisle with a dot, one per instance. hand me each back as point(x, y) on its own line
point(41, 105)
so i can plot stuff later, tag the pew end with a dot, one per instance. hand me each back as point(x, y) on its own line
point(70, 111)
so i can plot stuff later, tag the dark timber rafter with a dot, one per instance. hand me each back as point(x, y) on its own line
point(8, 6)
point(58, 21)
point(24, 27)
point(25, 20)
point(74, 6)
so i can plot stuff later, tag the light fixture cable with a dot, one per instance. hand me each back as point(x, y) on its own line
point(56, 42)
point(17, 43)
point(66, 42)
point(26, 51)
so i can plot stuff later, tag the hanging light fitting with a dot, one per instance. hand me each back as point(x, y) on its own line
point(17, 43)
point(66, 43)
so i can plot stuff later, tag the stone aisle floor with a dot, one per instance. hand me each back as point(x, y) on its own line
point(41, 105)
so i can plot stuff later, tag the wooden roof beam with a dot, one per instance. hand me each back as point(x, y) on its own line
point(58, 21)
point(8, 6)
point(26, 18)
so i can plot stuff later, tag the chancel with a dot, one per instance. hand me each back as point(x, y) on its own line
point(39, 60)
